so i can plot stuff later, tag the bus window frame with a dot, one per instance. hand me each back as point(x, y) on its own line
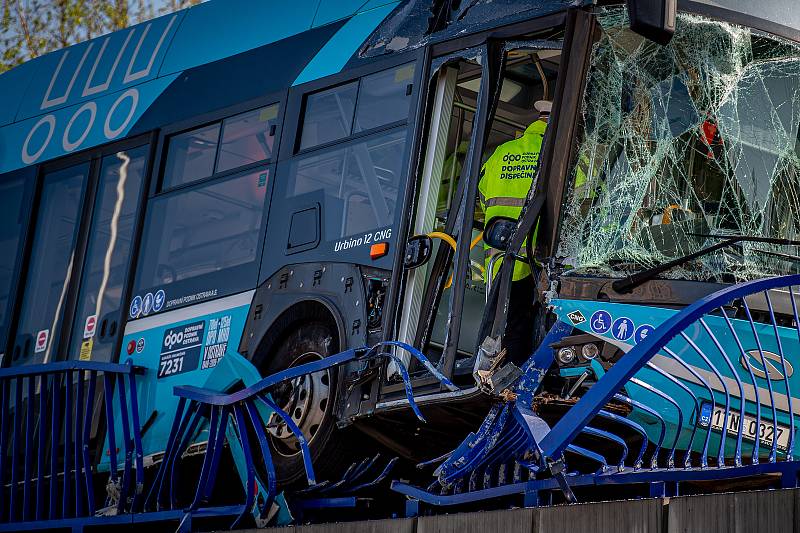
point(94, 157)
point(294, 116)
point(296, 102)
point(31, 178)
point(206, 119)
point(154, 189)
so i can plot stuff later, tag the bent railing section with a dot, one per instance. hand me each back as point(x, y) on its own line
point(692, 360)
point(240, 420)
point(677, 406)
point(53, 421)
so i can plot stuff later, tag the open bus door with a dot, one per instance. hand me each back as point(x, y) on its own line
point(479, 98)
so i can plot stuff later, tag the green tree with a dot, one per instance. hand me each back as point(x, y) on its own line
point(30, 28)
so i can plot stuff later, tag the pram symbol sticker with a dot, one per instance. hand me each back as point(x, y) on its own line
point(600, 321)
point(623, 328)
point(642, 332)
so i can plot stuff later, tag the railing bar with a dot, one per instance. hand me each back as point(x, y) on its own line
point(174, 451)
point(204, 470)
point(783, 370)
point(79, 466)
point(272, 485)
point(633, 425)
point(4, 385)
point(167, 451)
point(218, 445)
point(790, 450)
point(693, 372)
point(126, 444)
point(696, 408)
point(450, 470)
point(240, 425)
point(701, 353)
point(756, 445)
point(737, 456)
point(55, 440)
point(30, 404)
point(774, 451)
point(62, 367)
point(301, 439)
point(15, 455)
point(108, 396)
point(68, 405)
point(198, 394)
point(589, 430)
point(42, 447)
point(187, 437)
point(647, 386)
point(87, 433)
point(137, 441)
point(654, 413)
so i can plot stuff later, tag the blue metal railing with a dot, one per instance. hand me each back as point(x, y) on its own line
point(49, 446)
point(233, 418)
point(666, 389)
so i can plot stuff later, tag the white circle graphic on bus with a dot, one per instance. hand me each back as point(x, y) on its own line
point(136, 306)
point(147, 303)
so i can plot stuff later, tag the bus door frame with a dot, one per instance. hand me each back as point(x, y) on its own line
point(579, 29)
point(94, 158)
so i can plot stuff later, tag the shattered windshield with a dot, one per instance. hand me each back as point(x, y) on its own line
point(685, 141)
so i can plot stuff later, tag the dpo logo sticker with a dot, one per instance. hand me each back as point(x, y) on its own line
point(180, 349)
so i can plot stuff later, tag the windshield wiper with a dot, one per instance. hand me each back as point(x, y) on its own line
point(634, 280)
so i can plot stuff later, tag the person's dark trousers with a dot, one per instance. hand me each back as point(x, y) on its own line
point(518, 338)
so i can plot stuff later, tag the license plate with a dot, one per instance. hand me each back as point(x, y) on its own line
point(765, 430)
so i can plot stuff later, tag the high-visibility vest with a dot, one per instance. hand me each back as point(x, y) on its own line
point(506, 178)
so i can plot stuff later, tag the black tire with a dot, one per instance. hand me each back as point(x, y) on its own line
point(330, 447)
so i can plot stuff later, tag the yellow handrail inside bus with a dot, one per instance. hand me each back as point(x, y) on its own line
point(452, 242)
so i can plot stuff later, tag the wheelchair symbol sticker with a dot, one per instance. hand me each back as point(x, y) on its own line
point(642, 332)
point(623, 328)
point(600, 321)
point(136, 306)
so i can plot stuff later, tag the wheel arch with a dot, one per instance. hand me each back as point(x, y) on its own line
point(310, 308)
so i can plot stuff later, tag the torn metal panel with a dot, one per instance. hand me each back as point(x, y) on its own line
point(410, 26)
point(698, 137)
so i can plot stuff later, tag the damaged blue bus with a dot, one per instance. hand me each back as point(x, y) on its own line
point(245, 260)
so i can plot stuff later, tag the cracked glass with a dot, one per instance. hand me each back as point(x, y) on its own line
point(681, 144)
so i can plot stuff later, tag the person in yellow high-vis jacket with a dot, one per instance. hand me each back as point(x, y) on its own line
point(506, 178)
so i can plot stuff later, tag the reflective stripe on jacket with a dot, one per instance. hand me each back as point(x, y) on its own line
point(506, 179)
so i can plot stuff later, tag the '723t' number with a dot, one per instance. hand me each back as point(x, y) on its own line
point(170, 367)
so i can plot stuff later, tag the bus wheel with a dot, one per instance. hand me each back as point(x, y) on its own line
point(309, 400)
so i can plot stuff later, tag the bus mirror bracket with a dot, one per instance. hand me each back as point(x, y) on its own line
point(418, 251)
point(498, 232)
point(653, 19)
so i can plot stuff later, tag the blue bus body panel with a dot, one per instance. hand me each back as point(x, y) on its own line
point(216, 30)
point(189, 346)
point(97, 91)
point(594, 317)
point(338, 51)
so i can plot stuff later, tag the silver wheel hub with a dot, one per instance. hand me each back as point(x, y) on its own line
point(306, 404)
